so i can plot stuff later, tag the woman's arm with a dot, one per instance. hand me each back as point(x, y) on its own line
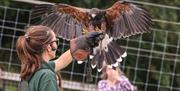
point(78, 48)
point(64, 60)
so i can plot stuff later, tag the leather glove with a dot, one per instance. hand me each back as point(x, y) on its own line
point(80, 46)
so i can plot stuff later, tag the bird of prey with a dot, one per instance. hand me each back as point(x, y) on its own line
point(121, 20)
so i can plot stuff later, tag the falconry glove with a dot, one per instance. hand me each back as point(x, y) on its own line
point(80, 46)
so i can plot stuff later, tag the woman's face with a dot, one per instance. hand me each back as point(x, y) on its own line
point(111, 72)
point(53, 46)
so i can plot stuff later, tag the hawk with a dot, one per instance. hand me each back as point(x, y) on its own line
point(121, 20)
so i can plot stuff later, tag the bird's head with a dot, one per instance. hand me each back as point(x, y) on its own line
point(96, 14)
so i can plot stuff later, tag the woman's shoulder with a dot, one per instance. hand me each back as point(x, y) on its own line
point(45, 72)
point(43, 75)
point(123, 78)
point(102, 82)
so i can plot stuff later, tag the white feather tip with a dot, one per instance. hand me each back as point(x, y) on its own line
point(124, 54)
point(79, 62)
point(119, 59)
point(93, 66)
point(91, 56)
point(99, 70)
point(116, 64)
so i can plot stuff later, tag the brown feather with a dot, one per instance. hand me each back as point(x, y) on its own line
point(66, 21)
point(115, 10)
point(127, 19)
point(78, 13)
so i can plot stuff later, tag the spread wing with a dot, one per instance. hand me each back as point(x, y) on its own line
point(126, 19)
point(65, 20)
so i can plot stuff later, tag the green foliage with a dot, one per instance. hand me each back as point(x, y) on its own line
point(131, 60)
point(4, 2)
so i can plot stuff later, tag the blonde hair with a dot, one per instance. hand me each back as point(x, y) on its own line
point(104, 74)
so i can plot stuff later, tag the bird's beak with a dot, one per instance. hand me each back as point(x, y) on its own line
point(93, 15)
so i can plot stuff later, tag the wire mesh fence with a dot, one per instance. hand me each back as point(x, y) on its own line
point(155, 64)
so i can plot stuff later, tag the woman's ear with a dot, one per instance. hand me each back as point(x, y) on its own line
point(48, 48)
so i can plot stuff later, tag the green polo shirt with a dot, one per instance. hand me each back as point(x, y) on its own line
point(44, 79)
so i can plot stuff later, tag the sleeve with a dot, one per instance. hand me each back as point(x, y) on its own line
point(125, 84)
point(102, 86)
point(48, 82)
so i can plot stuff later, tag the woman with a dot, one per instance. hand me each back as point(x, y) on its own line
point(114, 80)
point(35, 49)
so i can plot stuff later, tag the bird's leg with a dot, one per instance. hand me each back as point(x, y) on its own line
point(103, 26)
point(91, 28)
point(100, 46)
point(89, 69)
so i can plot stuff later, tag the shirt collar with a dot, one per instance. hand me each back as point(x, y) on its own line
point(45, 65)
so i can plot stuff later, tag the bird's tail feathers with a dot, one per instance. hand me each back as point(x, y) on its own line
point(116, 53)
point(112, 57)
point(98, 60)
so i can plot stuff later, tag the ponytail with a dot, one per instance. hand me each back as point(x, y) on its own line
point(28, 59)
